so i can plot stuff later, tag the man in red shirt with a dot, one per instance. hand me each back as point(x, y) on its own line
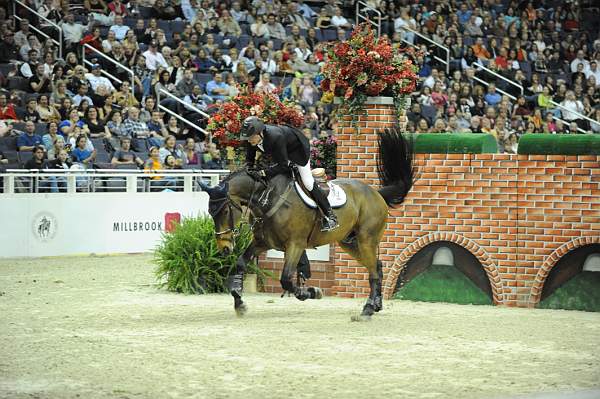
point(118, 8)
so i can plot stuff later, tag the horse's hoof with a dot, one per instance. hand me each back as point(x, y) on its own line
point(362, 317)
point(241, 310)
point(317, 293)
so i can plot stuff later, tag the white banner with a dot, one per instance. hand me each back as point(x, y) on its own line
point(101, 223)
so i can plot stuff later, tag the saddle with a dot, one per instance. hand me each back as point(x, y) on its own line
point(335, 193)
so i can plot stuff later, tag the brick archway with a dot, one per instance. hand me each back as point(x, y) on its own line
point(482, 256)
point(550, 262)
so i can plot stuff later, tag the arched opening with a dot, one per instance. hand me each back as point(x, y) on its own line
point(574, 281)
point(444, 272)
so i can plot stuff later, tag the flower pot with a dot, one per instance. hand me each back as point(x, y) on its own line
point(250, 283)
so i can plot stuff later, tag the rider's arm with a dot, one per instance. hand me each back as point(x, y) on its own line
point(280, 156)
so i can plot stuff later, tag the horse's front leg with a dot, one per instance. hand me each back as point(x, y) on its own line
point(300, 291)
point(237, 283)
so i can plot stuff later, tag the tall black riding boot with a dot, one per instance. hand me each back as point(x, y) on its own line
point(329, 218)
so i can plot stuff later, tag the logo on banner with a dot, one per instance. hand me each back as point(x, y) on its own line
point(44, 226)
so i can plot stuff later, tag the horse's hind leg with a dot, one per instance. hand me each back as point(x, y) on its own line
point(364, 250)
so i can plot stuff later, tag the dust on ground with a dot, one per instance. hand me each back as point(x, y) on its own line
point(97, 327)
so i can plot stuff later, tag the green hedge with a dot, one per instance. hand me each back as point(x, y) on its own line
point(455, 143)
point(559, 144)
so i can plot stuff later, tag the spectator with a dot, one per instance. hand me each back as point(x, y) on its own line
point(72, 32)
point(171, 147)
point(275, 29)
point(492, 98)
point(265, 86)
point(46, 111)
point(571, 105)
point(191, 155)
point(339, 21)
point(211, 159)
point(228, 26)
point(31, 113)
point(174, 129)
point(49, 139)
point(580, 60)
point(82, 95)
point(156, 126)
point(216, 89)
point(154, 59)
point(115, 126)
point(29, 68)
point(28, 140)
point(37, 161)
point(117, 8)
point(96, 79)
point(307, 92)
point(125, 156)
point(8, 50)
point(97, 127)
point(119, 29)
point(81, 152)
point(136, 129)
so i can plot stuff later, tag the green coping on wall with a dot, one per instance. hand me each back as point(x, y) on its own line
point(455, 143)
point(559, 144)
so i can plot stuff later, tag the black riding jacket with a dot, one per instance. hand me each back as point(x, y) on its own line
point(283, 143)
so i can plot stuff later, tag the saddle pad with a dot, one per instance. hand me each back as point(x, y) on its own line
point(336, 197)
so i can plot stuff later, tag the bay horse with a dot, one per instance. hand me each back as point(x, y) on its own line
point(282, 221)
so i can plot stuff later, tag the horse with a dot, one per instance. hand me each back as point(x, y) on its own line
point(281, 220)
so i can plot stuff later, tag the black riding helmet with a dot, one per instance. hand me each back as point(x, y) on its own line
point(251, 126)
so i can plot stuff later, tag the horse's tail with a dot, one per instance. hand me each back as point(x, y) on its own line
point(395, 166)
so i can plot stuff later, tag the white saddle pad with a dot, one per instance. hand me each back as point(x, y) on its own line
point(336, 197)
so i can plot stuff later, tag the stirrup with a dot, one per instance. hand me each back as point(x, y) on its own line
point(329, 223)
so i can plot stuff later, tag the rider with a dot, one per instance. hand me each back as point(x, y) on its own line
point(289, 148)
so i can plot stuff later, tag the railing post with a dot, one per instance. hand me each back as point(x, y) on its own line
point(188, 183)
point(131, 184)
point(71, 183)
point(9, 184)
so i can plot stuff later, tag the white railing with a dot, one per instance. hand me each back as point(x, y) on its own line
point(112, 60)
point(107, 180)
point(518, 86)
point(422, 36)
point(361, 16)
point(181, 118)
point(59, 43)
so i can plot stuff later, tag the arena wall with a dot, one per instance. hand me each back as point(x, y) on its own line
point(518, 214)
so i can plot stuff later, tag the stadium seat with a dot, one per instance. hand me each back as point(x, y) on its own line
point(6, 68)
point(177, 26)
point(329, 35)
point(24, 156)
point(18, 83)
point(41, 129)
point(139, 145)
point(164, 25)
point(8, 144)
point(429, 112)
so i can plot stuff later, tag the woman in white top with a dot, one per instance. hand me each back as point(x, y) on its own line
point(302, 51)
point(570, 106)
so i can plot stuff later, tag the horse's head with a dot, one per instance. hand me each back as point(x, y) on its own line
point(225, 207)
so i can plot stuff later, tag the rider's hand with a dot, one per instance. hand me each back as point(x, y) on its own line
point(257, 174)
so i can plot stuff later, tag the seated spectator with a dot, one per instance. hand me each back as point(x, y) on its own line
point(339, 21)
point(275, 29)
point(46, 111)
point(492, 98)
point(171, 147)
point(28, 140)
point(119, 29)
point(228, 26)
point(124, 97)
point(480, 51)
point(72, 32)
point(154, 59)
point(7, 110)
point(49, 139)
point(571, 105)
point(264, 85)
point(81, 152)
point(156, 125)
point(61, 161)
point(216, 89)
point(191, 155)
point(81, 95)
point(422, 126)
point(139, 130)
point(28, 68)
point(125, 156)
point(40, 82)
point(115, 125)
point(200, 100)
point(211, 159)
point(117, 8)
point(31, 113)
point(97, 127)
point(307, 92)
point(96, 79)
point(37, 161)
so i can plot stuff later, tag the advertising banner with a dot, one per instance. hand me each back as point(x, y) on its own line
point(66, 224)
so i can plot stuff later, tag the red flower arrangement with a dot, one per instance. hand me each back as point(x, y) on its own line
point(366, 66)
point(226, 123)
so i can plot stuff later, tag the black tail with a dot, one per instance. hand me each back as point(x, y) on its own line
point(395, 166)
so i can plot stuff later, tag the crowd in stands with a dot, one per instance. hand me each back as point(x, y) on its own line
point(204, 51)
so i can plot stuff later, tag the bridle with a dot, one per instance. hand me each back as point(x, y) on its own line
point(229, 203)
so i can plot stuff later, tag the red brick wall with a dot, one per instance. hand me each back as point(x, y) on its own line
point(518, 214)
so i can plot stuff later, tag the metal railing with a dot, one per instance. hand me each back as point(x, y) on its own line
point(112, 60)
point(361, 15)
point(181, 118)
point(422, 36)
point(562, 107)
point(17, 181)
point(59, 43)
point(478, 65)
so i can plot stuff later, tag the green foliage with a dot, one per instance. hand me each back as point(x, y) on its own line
point(455, 143)
point(582, 292)
point(559, 144)
point(443, 284)
point(188, 259)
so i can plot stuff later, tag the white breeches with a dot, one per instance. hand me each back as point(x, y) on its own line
point(306, 176)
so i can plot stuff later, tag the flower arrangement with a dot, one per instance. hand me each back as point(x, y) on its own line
point(226, 123)
point(365, 66)
point(323, 154)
